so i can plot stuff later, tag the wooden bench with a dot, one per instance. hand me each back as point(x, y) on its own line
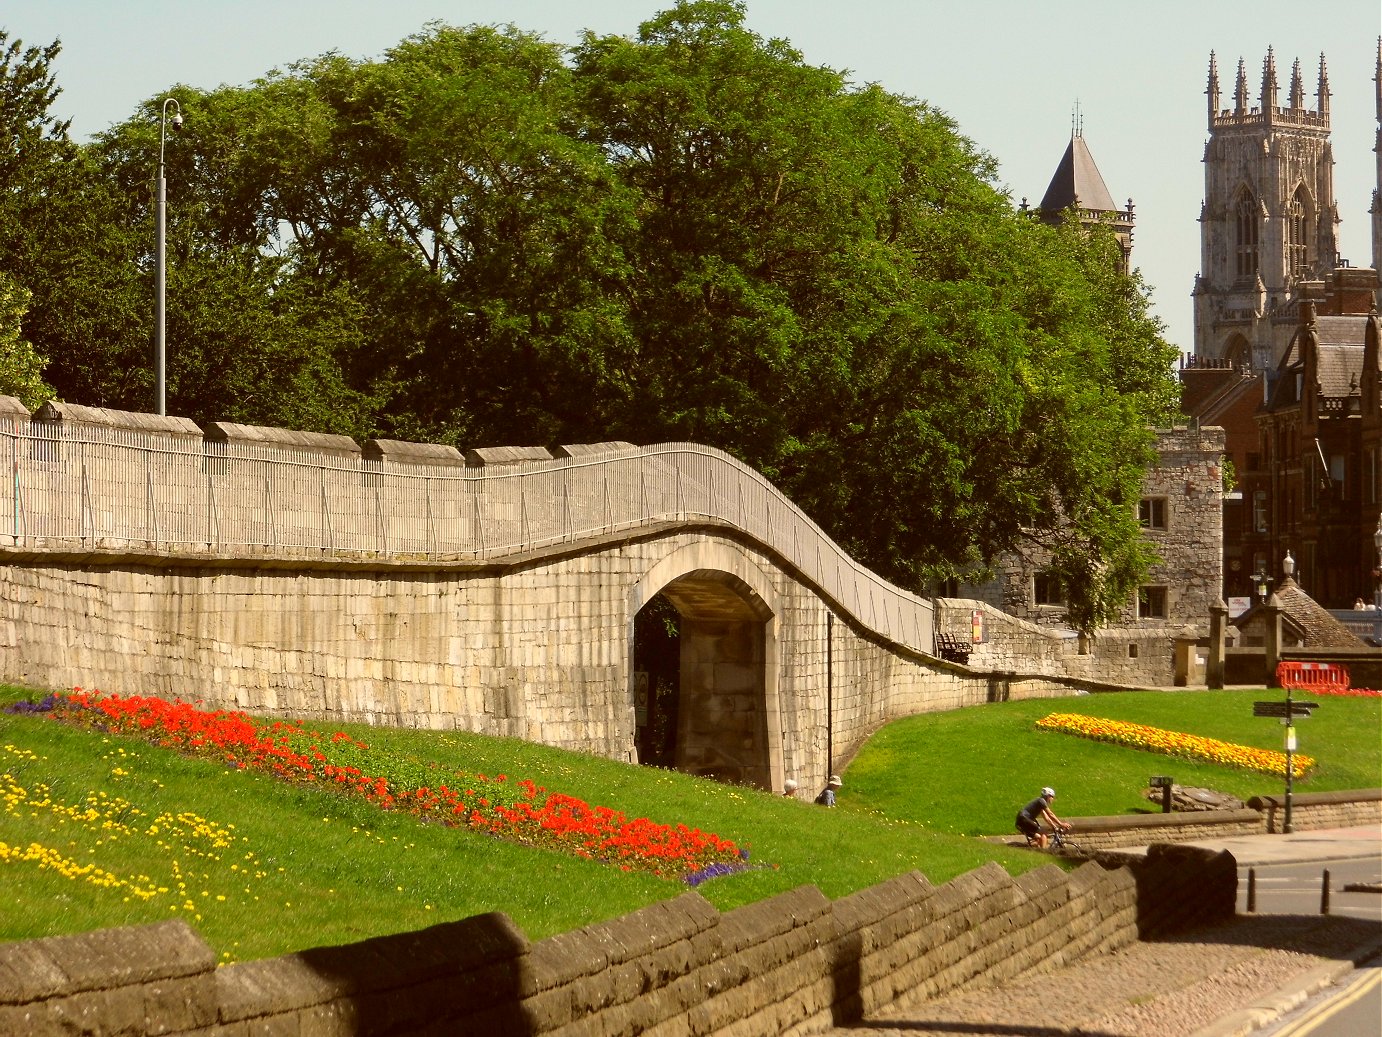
point(952, 649)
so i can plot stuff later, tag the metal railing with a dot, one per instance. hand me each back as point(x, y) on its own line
point(119, 489)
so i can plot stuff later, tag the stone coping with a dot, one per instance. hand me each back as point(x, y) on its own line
point(402, 452)
point(1179, 819)
point(1312, 799)
point(481, 457)
point(289, 439)
point(57, 412)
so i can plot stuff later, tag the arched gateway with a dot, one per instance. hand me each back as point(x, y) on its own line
point(727, 723)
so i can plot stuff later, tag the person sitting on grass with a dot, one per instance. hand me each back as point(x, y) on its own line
point(827, 796)
point(1029, 818)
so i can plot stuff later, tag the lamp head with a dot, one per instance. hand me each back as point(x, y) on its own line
point(176, 121)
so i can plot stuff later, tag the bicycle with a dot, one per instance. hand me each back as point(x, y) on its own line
point(1062, 843)
point(1058, 841)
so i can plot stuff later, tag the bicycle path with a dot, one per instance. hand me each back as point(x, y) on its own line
point(1221, 981)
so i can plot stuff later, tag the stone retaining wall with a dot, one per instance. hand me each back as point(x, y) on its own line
point(794, 964)
point(1106, 833)
point(1315, 810)
point(1264, 815)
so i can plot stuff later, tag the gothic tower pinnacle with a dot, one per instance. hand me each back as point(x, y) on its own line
point(1269, 88)
point(1268, 219)
point(1212, 91)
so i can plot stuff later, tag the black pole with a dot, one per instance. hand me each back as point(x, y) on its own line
point(829, 693)
point(1290, 750)
point(1324, 893)
point(1252, 890)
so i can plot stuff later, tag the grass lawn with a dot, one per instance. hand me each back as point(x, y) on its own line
point(260, 866)
point(968, 771)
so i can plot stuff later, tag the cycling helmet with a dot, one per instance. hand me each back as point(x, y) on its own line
point(1049, 792)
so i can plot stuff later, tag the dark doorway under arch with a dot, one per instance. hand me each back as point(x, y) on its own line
point(657, 681)
point(700, 679)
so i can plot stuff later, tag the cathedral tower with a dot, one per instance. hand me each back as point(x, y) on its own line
point(1269, 217)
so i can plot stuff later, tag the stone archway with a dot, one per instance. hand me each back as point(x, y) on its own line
point(728, 723)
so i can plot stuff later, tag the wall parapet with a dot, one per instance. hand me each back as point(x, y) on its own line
point(796, 963)
point(107, 482)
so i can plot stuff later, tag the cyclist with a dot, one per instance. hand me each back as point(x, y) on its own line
point(1029, 818)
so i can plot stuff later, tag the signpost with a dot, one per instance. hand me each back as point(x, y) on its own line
point(1286, 712)
point(1163, 782)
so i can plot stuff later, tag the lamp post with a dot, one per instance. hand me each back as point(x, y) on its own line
point(160, 263)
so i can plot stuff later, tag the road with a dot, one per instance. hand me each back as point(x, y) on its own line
point(1353, 1008)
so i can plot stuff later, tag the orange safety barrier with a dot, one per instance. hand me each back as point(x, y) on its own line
point(1312, 676)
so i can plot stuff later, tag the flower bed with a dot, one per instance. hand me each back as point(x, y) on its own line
point(189, 848)
point(518, 810)
point(1356, 693)
point(1175, 743)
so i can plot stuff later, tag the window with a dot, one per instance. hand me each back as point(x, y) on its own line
point(1246, 220)
point(1296, 223)
point(1151, 603)
point(1151, 512)
point(1259, 511)
point(1047, 589)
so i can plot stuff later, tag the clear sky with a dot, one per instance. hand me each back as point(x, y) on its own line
point(1009, 72)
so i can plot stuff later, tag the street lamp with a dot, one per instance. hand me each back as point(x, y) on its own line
point(160, 264)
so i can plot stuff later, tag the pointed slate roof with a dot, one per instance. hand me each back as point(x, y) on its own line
point(1077, 182)
point(1316, 627)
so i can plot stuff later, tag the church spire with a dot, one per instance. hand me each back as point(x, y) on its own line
point(1297, 88)
point(1322, 93)
point(1269, 87)
point(1240, 91)
point(1212, 91)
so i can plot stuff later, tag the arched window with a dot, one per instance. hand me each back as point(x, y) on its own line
point(1297, 219)
point(1247, 218)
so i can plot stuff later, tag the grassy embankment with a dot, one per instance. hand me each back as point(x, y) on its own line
point(260, 867)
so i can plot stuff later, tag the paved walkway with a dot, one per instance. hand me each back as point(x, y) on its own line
point(1224, 981)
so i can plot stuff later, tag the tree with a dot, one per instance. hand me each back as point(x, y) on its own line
point(827, 284)
point(687, 235)
point(65, 240)
point(21, 368)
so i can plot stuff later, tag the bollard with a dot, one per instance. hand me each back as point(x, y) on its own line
point(1324, 893)
point(1252, 890)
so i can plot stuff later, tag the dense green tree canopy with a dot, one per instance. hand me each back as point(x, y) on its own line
point(692, 234)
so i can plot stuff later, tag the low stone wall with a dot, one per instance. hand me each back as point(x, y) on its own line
point(1106, 833)
point(1263, 815)
point(795, 964)
point(1315, 810)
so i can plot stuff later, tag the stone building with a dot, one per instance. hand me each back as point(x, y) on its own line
point(1181, 516)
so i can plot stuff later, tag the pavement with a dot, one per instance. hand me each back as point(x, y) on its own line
point(1329, 844)
point(1221, 981)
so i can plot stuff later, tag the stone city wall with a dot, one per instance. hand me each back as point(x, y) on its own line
point(1130, 656)
point(539, 650)
point(794, 964)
